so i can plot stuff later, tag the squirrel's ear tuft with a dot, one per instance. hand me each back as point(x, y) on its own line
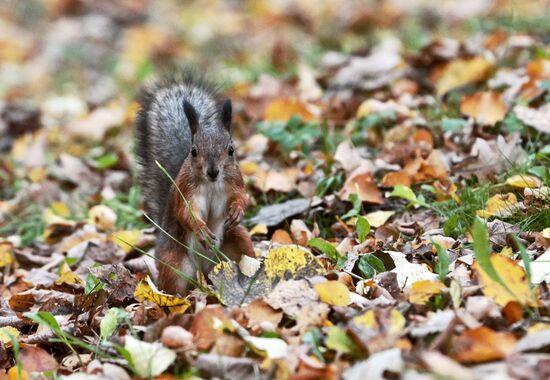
point(226, 113)
point(191, 115)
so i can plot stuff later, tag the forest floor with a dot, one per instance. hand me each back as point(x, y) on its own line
point(397, 156)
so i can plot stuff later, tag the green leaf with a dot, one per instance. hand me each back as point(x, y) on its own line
point(338, 340)
point(442, 265)
point(370, 265)
point(526, 260)
point(106, 161)
point(512, 123)
point(404, 192)
point(110, 322)
point(313, 338)
point(456, 293)
point(325, 247)
point(356, 201)
point(451, 124)
point(47, 319)
point(482, 252)
point(362, 227)
point(92, 284)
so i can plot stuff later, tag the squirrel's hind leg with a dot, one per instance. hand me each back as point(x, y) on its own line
point(169, 280)
point(237, 242)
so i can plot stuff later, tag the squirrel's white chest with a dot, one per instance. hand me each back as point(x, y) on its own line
point(212, 202)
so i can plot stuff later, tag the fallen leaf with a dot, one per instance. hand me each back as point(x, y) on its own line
point(482, 345)
point(501, 205)
point(487, 108)
point(147, 291)
point(512, 275)
point(537, 118)
point(524, 181)
point(461, 72)
point(127, 239)
point(148, 359)
point(333, 292)
point(272, 348)
point(283, 109)
point(422, 290)
point(379, 218)
point(281, 237)
point(364, 186)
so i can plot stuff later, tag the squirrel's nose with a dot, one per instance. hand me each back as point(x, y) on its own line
point(212, 173)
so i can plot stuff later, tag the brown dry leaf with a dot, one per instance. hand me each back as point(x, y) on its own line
point(401, 177)
point(461, 72)
point(487, 108)
point(513, 276)
point(260, 313)
point(208, 325)
point(36, 359)
point(283, 109)
point(363, 185)
point(278, 180)
point(281, 237)
point(482, 345)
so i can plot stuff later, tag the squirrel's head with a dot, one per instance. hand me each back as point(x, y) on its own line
point(212, 151)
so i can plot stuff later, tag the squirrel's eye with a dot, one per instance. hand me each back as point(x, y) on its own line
point(194, 152)
point(231, 150)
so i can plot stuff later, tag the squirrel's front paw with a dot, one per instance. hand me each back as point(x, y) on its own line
point(235, 216)
point(205, 235)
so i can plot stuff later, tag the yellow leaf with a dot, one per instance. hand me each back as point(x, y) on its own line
point(61, 209)
point(366, 320)
point(486, 107)
point(500, 205)
point(397, 322)
point(259, 229)
point(283, 109)
point(333, 292)
point(422, 290)
point(5, 333)
point(14, 374)
point(147, 291)
point(512, 275)
point(461, 72)
point(6, 254)
point(293, 259)
point(546, 233)
point(249, 167)
point(126, 239)
point(67, 276)
point(37, 174)
point(523, 181)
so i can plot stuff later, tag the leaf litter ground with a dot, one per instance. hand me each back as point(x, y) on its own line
point(397, 158)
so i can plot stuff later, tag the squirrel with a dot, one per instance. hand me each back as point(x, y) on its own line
point(185, 126)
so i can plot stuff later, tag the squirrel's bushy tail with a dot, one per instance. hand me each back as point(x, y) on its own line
point(163, 133)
